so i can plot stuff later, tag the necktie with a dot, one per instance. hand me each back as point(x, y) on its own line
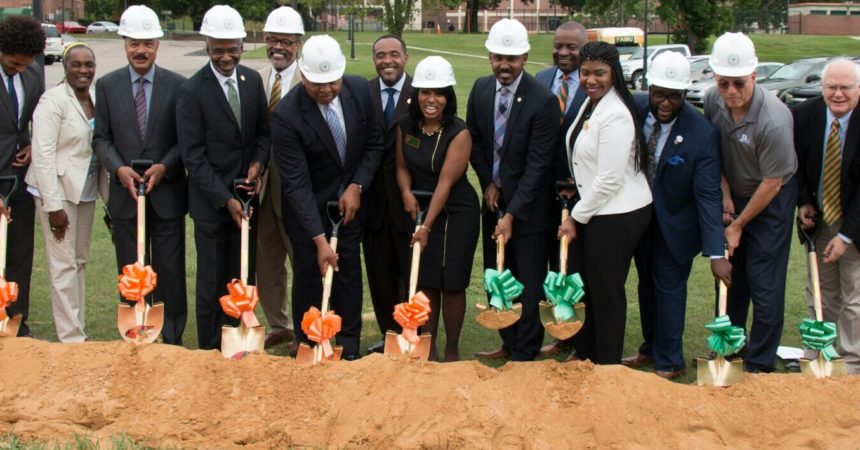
point(336, 131)
point(389, 106)
point(13, 95)
point(499, 133)
point(140, 106)
point(276, 93)
point(652, 151)
point(562, 92)
point(830, 194)
point(233, 100)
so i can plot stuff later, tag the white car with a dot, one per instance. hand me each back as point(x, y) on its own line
point(53, 44)
point(102, 26)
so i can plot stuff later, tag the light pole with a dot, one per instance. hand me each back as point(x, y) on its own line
point(645, 55)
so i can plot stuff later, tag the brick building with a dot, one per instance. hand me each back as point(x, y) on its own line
point(838, 19)
point(52, 9)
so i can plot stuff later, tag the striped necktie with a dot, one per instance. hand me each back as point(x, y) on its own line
point(499, 132)
point(830, 194)
point(140, 106)
point(276, 93)
point(653, 140)
point(562, 92)
point(336, 131)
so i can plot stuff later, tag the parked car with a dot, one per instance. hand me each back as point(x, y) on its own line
point(800, 94)
point(71, 27)
point(796, 74)
point(102, 26)
point(632, 67)
point(53, 43)
point(696, 93)
point(700, 69)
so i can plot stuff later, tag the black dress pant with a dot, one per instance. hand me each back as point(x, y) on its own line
point(19, 252)
point(386, 259)
point(608, 243)
point(165, 250)
point(218, 250)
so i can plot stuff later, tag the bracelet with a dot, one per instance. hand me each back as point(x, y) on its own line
point(425, 228)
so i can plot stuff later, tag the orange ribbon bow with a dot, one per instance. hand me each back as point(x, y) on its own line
point(321, 328)
point(8, 295)
point(136, 282)
point(240, 301)
point(411, 315)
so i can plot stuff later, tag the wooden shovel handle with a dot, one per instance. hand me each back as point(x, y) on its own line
point(500, 252)
point(243, 252)
point(724, 292)
point(816, 285)
point(413, 270)
point(329, 276)
point(141, 228)
point(563, 245)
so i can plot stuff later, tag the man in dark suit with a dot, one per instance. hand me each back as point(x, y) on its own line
point(388, 228)
point(21, 39)
point(687, 219)
point(514, 125)
point(222, 116)
point(327, 146)
point(145, 94)
point(827, 136)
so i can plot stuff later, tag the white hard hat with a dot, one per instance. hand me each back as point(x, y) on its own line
point(670, 70)
point(322, 60)
point(139, 22)
point(508, 37)
point(284, 20)
point(433, 72)
point(223, 22)
point(733, 55)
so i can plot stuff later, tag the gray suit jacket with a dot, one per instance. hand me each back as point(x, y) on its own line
point(15, 134)
point(117, 141)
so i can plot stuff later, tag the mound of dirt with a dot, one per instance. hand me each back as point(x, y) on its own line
point(166, 396)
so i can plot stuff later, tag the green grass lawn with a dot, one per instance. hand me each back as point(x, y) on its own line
point(101, 279)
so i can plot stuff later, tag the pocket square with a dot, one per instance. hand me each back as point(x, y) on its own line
point(676, 161)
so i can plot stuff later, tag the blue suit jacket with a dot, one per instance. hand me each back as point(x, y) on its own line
point(687, 196)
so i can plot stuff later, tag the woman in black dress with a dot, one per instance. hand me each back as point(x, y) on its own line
point(433, 148)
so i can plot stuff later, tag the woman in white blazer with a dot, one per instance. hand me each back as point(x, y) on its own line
point(64, 180)
point(607, 160)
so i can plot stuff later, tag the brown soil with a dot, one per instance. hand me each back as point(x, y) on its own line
point(167, 396)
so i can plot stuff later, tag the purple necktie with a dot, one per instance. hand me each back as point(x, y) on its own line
point(140, 106)
point(499, 133)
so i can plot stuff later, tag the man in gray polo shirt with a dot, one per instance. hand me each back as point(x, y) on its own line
point(759, 193)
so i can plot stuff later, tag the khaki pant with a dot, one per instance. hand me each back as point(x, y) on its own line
point(67, 264)
point(840, 297)
point(273, 250)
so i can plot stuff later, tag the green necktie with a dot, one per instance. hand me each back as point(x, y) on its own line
point(233, 100)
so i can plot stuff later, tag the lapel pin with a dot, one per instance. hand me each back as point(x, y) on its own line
point(409, 101)
point(679, 139)
point(519, 99)
point(242, 77)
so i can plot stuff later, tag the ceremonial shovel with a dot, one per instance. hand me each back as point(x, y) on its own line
point(562, 314)
point(8, 290)
point(415, 311)
point(503, 289)
point(141, 323)
point(241, 300)
point(322, 325)
point(818, 334)
point(725, 339)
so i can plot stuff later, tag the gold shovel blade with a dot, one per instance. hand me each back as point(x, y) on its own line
point(307, 356)
point(495, 319)
point(237, 342)
point(718, 371)
point(562, 329)
point(396, 344)
point(130, 322)
point(822, 368)
point(10, 325)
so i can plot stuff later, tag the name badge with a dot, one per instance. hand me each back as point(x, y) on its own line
point(412, 141)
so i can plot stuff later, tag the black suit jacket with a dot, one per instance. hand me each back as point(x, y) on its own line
point(213, 147)
point(306, 155)
point(527, 151)
point(15, 134)
point(385, 202)
point(810, 126)
point(117, 140)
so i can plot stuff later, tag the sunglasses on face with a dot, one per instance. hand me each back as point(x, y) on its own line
point(725, 84)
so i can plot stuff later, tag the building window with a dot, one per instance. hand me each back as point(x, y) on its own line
point(838, 12)
point(855, 13)
point(818, 12)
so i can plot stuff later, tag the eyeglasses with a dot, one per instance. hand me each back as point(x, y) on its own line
point(273, 41)
point(662, 96)
point(725, 84)
point(832, 88)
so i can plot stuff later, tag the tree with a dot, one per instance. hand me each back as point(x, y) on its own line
point(102, 9)
point(397, 14)
point(695, 20)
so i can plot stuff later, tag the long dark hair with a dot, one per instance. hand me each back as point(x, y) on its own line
point(448, 113)
point(607, 53)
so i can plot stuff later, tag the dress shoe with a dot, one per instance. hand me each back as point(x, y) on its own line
point(555, 348)
point(277, 338)
point(350, 357)
point(499, 353)
point(378, 347)
point(637, 360)
point(670, 374)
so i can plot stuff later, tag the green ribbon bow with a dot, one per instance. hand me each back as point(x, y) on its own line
point(725, 338)
point(563, 291)
point(502, 287)
point(819, 336)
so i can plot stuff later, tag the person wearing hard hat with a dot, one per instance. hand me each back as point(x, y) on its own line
point(327, 146)
point(388, 227)
point(827, 140)
point(687, 218)
point(759, 193)
point(21, 39)
point(515, 122)
point(283, 33)
point(128, 93)
point(223, 127)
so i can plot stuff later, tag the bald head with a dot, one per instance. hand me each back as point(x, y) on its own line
point(568, 39)
point(840, 86)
